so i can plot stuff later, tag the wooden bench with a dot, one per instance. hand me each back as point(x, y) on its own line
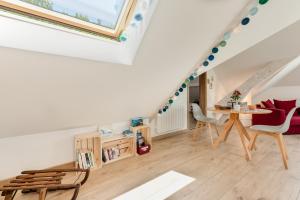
point(42, 181)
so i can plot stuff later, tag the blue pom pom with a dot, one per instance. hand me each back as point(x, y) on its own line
point(245, 21)
point(211, 57)
point(215, 50)
point(205, 63)
point(138, 17)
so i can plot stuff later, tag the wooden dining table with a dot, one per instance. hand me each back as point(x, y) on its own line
point(234, 120)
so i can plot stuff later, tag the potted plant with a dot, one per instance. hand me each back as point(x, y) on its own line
point(235, 98)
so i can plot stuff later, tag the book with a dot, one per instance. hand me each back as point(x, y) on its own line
point(92, 160)
point(84, 164)
point(79, 160)
point(88, 163)
point(105, 155)
point(109, 154)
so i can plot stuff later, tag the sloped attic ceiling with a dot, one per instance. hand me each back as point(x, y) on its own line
point(283, 46)
point(292, 79)
point(41, 93)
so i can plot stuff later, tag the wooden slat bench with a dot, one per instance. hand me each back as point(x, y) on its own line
point(42, 181)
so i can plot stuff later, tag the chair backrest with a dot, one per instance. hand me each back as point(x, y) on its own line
point(285, 126)
point(197, 113)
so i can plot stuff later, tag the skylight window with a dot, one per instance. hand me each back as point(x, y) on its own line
point(106, 17)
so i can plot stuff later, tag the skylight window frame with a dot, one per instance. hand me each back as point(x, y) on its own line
point(72, 22)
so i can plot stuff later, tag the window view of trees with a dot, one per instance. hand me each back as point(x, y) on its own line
point(41, 3)
point(101, 12)
point(82, 17)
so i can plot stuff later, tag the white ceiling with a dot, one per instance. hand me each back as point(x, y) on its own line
point(284, 45)
point(292, 79)
point(28, 34)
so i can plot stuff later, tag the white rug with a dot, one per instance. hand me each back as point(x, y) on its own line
point(159, 188)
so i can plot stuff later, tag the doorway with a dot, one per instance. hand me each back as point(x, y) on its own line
point(197, 93)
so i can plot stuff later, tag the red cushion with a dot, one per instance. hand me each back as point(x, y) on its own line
point(295, 121)
point(268, 104)
point(285, 105)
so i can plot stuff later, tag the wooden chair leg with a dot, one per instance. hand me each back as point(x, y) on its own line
point(10, 195)
point(210, 133)
point(282, 150)
point(252, 141)
point(42, 194)
point(285, 150)
point(216, 128)
point(198, 125)
point(75, 194)
point(194, 134)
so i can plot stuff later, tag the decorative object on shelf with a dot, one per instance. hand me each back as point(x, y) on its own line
point(127, 133)
point(245, 20)
point(143, 139)
point(106, 132)
point(138, 121)
point(140, 141)
point(143, 149)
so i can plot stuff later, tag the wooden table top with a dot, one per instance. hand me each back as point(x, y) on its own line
point(242, 111)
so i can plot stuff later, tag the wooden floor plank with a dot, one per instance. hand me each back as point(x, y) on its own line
point(220, 173)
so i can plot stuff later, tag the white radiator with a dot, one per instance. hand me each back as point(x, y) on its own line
point(173, 120)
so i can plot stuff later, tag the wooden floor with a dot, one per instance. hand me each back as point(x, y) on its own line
point(220, 174)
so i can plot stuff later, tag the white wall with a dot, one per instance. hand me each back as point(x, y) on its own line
point(38, 151)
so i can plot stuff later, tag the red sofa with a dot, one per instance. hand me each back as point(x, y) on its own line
point(277, 117)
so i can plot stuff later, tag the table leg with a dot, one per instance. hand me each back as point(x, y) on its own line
point(245, 132)
point(224, 134)
point(227, 128)
point(242, 132)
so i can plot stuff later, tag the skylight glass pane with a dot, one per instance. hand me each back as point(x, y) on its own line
point(105, 13)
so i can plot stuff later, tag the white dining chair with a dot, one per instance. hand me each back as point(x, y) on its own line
point(276, 132)
point(203, 121)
